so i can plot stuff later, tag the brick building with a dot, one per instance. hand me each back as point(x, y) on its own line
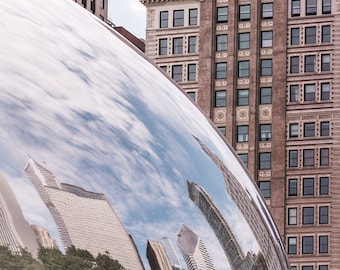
point(264, 72)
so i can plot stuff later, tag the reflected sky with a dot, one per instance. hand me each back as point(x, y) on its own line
point(78, 100)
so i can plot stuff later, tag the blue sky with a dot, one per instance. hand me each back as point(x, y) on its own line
point(129, 14)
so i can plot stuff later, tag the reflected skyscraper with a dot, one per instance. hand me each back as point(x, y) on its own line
point(221, 228)
point(171, 253)
point(84, 219)
point(157, 257)
point(15, 232)
point(43, 237)
point(193, 250)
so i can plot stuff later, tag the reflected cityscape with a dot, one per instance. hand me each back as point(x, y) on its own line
point(121, 161)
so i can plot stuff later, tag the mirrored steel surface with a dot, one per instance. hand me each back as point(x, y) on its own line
point(78, 101)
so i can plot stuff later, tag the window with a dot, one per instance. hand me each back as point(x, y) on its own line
point(265, 161)
point(293, 130)
point(164, 17)
point(292, 216)
point(222, 130)
point(294, 64)
point(323, 215)
point(242, 97)
point(323, 244)
point(324, 157)
point(294, 93)
point(309, 129)
point(93, 6)
point(308, 157)
point(310, 63)
point(293, 268)
point(325, 91)
point(324, 185)
point(244, 13)
point(295, 36)
point(178, 18)
point(164, 68)
point(177, 72)
point(310, 35)
point(193, 16)
point(309, 92)
point(163, 46)
point(243, 41)
point(292, 245)
point(243, 69)
point(265, 188)
point(221, 43)
point(266, 39)
point(308, 186)
point(324, 128)
point(307, 215)
point(326, 7)
point(84, 2)
point(220, 98)
point(222, 14)
point(192, 44)
point(191, 72)
point(192, 95)
point(265, 95)
point(102, 4)
point(177, 45)
point(292, 187)
point(295, 7)
point(293, 158)
point(325, 62)
point(242, 133)
point(267, 10)
point(221, 71)
point(323, 267)
point(265, 132)
point(266, 67)
point(244, 158)
point(311, 7)
point(307, 267)
point(325, 33)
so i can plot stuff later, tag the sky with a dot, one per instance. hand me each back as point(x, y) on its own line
point(131, 14)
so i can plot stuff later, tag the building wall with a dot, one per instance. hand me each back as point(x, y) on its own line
point(269, 156)
point(97, 7)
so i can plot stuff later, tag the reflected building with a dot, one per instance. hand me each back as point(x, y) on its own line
point(43, 237)
point(221, 228)
point(250, 211)
point(193, 250)
point(171, 253)
point(84, 219)
point(15, 232)
point(157, 257)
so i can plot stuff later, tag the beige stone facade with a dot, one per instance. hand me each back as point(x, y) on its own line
point(265, 73)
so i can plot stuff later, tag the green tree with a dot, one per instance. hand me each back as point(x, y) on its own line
point(104, 262)
point(52, 258)
point(22, 261)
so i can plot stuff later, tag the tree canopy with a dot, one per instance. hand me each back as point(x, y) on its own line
point(54, 259)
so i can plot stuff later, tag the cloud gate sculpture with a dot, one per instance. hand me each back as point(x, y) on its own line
point(102, 151)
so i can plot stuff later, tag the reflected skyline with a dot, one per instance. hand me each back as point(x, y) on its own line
point(103, 118)
point(84, 218)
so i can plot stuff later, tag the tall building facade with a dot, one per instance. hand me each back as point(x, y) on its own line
point(264, 72)
point(84, 219)
point(193, 250)
point(157, 257)
point(97, 7)
point(15, 232)
point(43, 237)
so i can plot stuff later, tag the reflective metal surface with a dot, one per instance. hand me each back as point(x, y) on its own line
point(82, 104)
